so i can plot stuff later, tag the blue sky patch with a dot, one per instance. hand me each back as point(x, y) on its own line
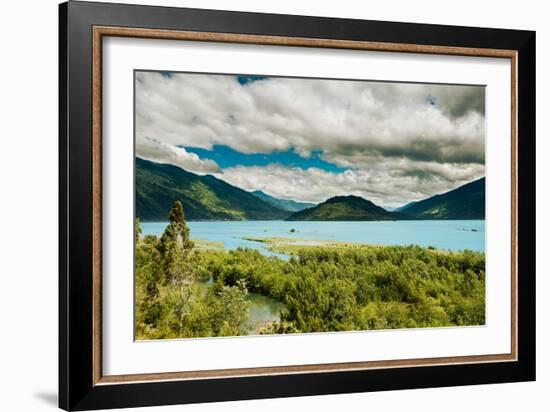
point(244, 80)
point(226, 157)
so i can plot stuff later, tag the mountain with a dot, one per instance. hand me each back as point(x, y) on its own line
point(347, 208)
point(203, 197)
point(401, 208)
point(290, 205)
point(465, 202)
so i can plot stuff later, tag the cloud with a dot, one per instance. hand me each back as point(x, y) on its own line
point(469, 99)
point(412, 181)
point(431, 137)
point(160, 152)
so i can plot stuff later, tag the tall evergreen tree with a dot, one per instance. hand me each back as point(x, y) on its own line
point(175, 245)
point(179, 262)
point(178, 225)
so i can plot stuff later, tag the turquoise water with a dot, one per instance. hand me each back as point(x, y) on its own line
point(442, 234)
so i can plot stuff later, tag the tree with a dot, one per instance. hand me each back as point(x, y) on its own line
point(148, 299)
point(179, 262)
point(177, 228)
point(175, 247)
point(278, 328)
point(306, 303)
point(230, 309)
point(137, 230)
point(182, 271)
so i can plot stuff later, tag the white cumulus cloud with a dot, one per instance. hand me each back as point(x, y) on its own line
point(400, 141)
point(316, 185)
point(160, 152)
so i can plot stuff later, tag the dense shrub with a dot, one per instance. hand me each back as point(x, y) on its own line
point(322, 288)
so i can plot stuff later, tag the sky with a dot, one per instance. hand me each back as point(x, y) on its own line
point(312, 139)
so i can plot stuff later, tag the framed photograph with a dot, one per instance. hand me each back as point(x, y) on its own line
point(257, 206)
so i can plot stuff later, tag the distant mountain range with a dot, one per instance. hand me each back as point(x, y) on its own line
point(209, 198)
point(351, 208)
point(290, 205)
point(203, 197)
point(465, 202)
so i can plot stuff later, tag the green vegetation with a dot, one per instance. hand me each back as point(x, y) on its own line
point(158, 186)
point(465, 202)
point(292, 245)
point(324, 286)
point(337, 287)
point(170, 301)
point(352, 208)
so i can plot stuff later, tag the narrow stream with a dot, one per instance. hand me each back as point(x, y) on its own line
point(262, 309)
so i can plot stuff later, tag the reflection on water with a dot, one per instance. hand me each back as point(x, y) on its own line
point(263, 310)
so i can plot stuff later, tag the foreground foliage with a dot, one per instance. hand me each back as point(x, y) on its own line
point(323, 288)
point(170, 300)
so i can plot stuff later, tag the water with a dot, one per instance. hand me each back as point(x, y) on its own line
point(263, 310)
point(442, 234)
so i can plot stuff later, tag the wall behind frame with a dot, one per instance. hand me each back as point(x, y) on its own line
point(28, 173)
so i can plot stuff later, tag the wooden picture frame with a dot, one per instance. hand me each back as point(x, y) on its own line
point(82, 384)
